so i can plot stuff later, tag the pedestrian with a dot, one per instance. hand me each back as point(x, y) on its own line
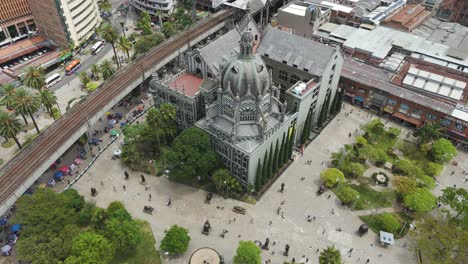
point(318, 249)
point(102, 184)
point(351, 250)
point(282, 215)
point(329, 196)
point(314, 218)
point(149, 197)
point(333, 211)
point(124, 187)
point(368, 260)
point(126, 175)
point(115, 189)
point(278, 210)
point(453, 172)
point(282, 187)
point(68, 182)
point(147, 187)
point(271, 222)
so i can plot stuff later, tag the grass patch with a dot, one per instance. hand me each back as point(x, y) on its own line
point(1, 162)
point(8, 144)
point(145, 252)
point(370, 198)
point(249, 199)
point(374, 223)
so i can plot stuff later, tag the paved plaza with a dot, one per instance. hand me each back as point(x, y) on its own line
point(189, 209)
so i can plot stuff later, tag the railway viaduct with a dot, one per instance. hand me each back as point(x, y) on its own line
point(33, 160)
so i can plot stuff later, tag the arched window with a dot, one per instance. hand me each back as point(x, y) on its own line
point(283, 75)
point(228, 110)
point(247, 114)
point(294, 79)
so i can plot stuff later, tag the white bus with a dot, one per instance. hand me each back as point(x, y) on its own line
point(55, 78)
point(97, 47)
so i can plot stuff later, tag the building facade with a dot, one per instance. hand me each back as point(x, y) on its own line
point(154, 6)
point(66, 21)
point(16, 21)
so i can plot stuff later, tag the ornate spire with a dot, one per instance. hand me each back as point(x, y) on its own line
point(246, 45)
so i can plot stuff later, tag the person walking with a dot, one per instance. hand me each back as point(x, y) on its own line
point(124, 187)
point(149, 197)
point(126, 175)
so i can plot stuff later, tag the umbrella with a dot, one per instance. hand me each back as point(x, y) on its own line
point(78, 161)
point(140, 108)
point(16, 228)
point(114, 132)
point(63, 169)
point(58, 174)
point(3, 221)
point(117, 152)
point(112, 121)
point(6, 248)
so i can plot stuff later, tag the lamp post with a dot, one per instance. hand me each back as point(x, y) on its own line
point(225, 182)
point(122, 22)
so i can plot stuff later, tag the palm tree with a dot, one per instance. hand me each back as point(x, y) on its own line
point(107, 69)
point(8, 91)
point(330, 255)
point(110, 35)
point(84, 78)
point(124, 45)
point(27, 103)
point(48, 100)
point(94, 68)
point(9, 127)
point(34, 77)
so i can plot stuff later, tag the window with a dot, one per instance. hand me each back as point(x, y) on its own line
point(197, 59)
point(209, 75)
point(445, 122)
point(404, 106)
point(294, 79)
point(283, 75)
point(459, 127)
point(362, 91)
point(431, 116)
point(417, 113)
point(391, 102)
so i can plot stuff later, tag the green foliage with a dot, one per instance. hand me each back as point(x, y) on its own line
point(361, 141)
point(176, 240)
point(56, 113)
point(107, 69)
point(377, 156)
point(84, 78)
point(292, 137)
point(144, 23)
point(370, 198)
point(443, 150)
point(332, 176)
point(116, 210)
point(282, 155)
point(86, 214)
point(420, 200)
point(91, 86)
point(131, 157)
point(265, 169)
point(306, 130)
point(427, 182)
point(405, 167)
point(124, 235)
point(145, 43)
point(105, 6)
point(247, 253)
point(457, 199)
point(433, 169)
point(258, 177)
point(440, 241)
point(10, 127)
point(270, 162)
point(110, 34)
point(393, 132)
point(430, 132)
point(330, 255)
point(99, 217)
point(276, 165)
point(225, 182)
point(347, 194)
point(169, 29)
point(193, 153)
point(404, 185)
point(352, 169)
point(389, 223)
point(90, 248)
point(34, 77)
point(375, 127)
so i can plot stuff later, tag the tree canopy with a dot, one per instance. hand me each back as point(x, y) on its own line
point(90, 248)
point(330, 255)
point(420, 200)
point(347, 194)
point(457, 199)
point(176, 240)
point(332, 176)
point(145, 43)
point(247, 253)
point(443, 150)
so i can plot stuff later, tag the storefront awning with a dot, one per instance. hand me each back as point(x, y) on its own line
point(458, 135)
point(359, 99)
point(389, 110)
point(411, 120)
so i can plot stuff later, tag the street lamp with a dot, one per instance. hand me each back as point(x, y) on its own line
point(225, 182)
point(122, 22)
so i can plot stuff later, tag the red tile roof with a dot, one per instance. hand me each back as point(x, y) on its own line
point(408, 18)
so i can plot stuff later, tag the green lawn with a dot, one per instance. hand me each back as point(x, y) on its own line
point(370, 198)
point(373, 221)
point(145, 252)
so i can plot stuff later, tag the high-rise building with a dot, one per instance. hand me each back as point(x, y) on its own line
point(66, 21)
point(16, 20)
point(153, 6)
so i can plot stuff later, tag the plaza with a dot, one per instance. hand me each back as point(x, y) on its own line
point(299, 199)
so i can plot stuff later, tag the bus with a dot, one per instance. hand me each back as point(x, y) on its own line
point(55, 78)
point(97, 47)
point(72, 67)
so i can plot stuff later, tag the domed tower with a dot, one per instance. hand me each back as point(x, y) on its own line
point(246, 101)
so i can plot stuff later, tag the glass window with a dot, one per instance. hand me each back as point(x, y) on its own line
point(283, 75)
point(391, 102)
point(445, 122)
point(431, 116)
point(404, 106)
point(294, 79)
point(417, 113)
point(459, 127)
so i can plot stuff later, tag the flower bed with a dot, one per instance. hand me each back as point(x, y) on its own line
point(380, 178)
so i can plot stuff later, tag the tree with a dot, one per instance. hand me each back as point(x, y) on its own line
point(433, 169)
point(457, 199)
point(389, 223)
point(176, 240)
point(34, 77)
point(124, 45)
point(430, 132)
point(306, 129)
point(374, 127)
point(332, 177)
point(90, 248)
point(333, 107)
point(330, 255)
point(352, 169)
point(347, 194)
point(247, 253)
point(404, 185)
point(124, 235)
point(258, 177)
point(99, 217)
point(420, 200)
point(292, 138)
point(163, 118)
point(219, 177)
point(282, 154)
point(117, 211)
point(95, 70)
point(105, 6)
point(8, 94)
point(48, 100)
point(193, 153)
point(107, 69)
point(169, 29)
point(265, 168)
point(145, 43)
point(10, 127)
point(440, 241)
point(361, 141)
point(84, 78)
point(144, 23)
point(110, 35)
point(275, 158)
point(443, 150)
point(27, 103)
point(270, 162)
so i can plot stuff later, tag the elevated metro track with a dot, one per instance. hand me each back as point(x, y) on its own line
point(32, 161)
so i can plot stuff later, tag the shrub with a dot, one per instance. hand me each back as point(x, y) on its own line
point(443, 150)
point(427, 181)
point(402, 166)
point(332, 176)
point(91, 86)
point(389, 223)
point(420, 200)
point(56, 113)
point(352, 169)
point(433, 169)
point(361, 141)
point(176, 240)
point(393, 132)
point(347, 194)
point(404, 185)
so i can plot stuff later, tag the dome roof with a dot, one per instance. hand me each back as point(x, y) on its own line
point(247, 74)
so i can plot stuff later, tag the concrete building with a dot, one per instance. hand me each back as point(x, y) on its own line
point(66, 21)
point(249, 107)
point(16, 21)
point(408, 18)
point(154, 6)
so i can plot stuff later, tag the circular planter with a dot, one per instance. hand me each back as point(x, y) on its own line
point(380, 178)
